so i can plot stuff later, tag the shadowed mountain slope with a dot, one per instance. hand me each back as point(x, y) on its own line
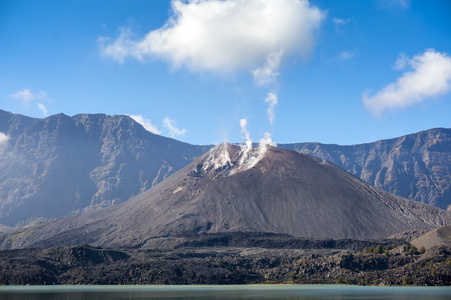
point(415, 166)
point(60, 165)
point(230, 190)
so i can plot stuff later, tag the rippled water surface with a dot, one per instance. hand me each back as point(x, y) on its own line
point(223, 292)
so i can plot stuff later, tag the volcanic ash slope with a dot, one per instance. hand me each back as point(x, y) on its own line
point(260, 189)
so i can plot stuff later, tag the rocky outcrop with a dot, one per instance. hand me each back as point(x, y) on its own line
point(415, 166)
point(62, 165)
point(225, 265)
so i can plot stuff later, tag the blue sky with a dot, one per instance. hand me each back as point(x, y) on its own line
point(343, 72)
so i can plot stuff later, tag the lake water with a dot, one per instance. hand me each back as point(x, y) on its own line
point(222, 292)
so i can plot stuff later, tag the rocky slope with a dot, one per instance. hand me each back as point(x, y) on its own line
point(415, 166)
point(438, 237)
point(233, 189)
point(61, 165)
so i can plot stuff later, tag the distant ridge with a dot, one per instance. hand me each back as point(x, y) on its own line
point(415, 166)
point(60, 165)
point(227, 190)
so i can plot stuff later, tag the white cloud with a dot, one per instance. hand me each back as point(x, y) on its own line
point(272, 100)
point(26, 96)
point(401, 62)
point(345, 55)
point(3, 138)
point(402, 3)
point(146, 123)
point(172, 128)
point(340, 22)
point(43, 109)
point(431, 76)
point(223, 36)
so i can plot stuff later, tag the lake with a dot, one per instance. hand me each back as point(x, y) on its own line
point(222, 292)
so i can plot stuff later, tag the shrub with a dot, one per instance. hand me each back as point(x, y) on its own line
point(413, 250)
point(422, 250)
point(378, 249)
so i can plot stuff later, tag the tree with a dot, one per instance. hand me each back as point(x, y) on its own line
point(378, 249)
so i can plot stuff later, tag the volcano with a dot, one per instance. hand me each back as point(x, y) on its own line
point(237, 189)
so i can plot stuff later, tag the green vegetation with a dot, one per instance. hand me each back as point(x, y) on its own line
point(448, 261)
point(378, 249)
point(422, 250)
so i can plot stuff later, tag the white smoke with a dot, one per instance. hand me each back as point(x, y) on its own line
point(3, 142)
point(267, 141)
point(245, 131)
point(269, 72)
point(272, 100)
point(223, 36)
point(3, 138)
point(218, 158)
point(247, 143)
point(249, 156)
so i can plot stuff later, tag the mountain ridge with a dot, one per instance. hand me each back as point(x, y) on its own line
point(88, 161)
point(60, 165)
point(416, 166)
point(284, 192)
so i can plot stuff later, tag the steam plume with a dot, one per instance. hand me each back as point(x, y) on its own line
point(272, 100)
point(243, 124)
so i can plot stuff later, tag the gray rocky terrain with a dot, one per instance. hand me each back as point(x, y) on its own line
point(351, 263)
point(62, 165)
point(233, 189)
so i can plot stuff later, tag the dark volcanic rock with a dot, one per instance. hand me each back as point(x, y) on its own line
point(284, 192)
point(415, 166)
point(60, 165)
point(223, 265)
